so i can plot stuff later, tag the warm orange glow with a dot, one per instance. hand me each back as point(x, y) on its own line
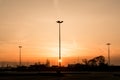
point(64, 52)
point(88, 26)
point(60, 60)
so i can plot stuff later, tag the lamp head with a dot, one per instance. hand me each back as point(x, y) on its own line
point(108, 44)
point(20, 46)
point(59, 21)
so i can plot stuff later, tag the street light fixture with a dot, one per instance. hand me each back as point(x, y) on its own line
point(108, 44)
point(20, 55)
point(60, 60)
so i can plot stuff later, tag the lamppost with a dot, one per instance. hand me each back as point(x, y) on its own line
point(20, 55)
point(60, 60)
point(108, 44)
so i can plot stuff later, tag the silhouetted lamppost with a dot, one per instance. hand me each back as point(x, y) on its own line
point(60, 60)
point(20, 55)
point(108, 44)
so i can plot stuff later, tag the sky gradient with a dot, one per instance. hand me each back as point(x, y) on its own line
point(88, 25)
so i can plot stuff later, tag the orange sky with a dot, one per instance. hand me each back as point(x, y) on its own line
point(88, 25)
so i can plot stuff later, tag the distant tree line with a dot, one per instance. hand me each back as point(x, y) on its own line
point(95, 64)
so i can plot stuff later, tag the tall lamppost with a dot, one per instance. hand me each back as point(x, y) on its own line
point(108, 44)
point(60, 60)
point(20, 55)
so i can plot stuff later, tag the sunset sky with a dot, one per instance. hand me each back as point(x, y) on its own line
point(88, 25)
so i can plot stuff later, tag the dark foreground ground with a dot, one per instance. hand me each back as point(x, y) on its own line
point(63, 76)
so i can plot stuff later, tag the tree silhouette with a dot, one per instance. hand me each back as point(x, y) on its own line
point(100, 60)
point(97, 61)
point(85, 61)
point(47, 63)
point(92, 62)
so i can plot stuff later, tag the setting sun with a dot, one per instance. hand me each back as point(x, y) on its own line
point(65, 52)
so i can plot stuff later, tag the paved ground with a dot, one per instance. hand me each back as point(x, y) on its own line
point(69, 76)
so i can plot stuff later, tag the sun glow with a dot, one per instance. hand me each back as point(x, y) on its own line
point(60, 60)
point(64, 52)
point(67, 49)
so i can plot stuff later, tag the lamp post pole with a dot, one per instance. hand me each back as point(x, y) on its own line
point(108, 44)
point(59, 22)
point(20, 55)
